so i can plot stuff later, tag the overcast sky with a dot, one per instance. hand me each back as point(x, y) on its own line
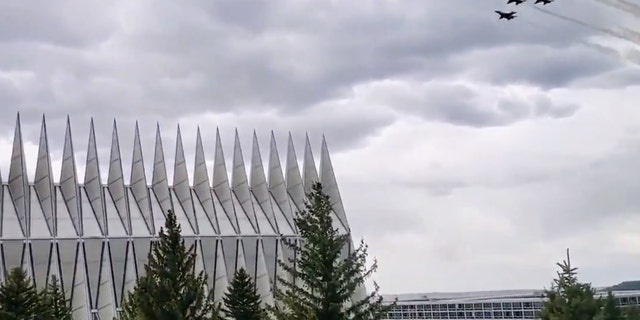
point(470, 151)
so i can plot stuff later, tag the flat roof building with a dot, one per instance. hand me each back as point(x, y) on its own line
point(95, 237)
point(502, 304)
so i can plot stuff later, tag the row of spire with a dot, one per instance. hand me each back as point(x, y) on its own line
point(273, 189)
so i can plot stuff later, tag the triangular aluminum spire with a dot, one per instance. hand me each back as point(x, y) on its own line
point(240, 184)
point(139, 182)
point(159, 182)
point(115, 181)
point(201, 185)
point(44, 180)
point(292, 176)
point(329, 184)
point(92, 183)
point(221, 184)
point(309, 171)
point(69, 181)
point(18, 183)
point(258, 183)
point(277, 185)
point(181, 183)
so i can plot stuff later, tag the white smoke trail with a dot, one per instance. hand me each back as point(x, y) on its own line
point(622, 6)
point(590, 26)
point(633, 7)
point(629, 33)
point(612, 52)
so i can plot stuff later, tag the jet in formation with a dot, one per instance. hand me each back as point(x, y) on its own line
point(512, 14)
point(506, 15)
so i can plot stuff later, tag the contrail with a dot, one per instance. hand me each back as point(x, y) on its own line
point(635, 8)
point(590, 26)
point(635, 35)
point(622, 6)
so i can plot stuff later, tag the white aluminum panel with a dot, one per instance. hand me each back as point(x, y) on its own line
point(18, 184)
point(205, 226)
point(277, 183)
point(67, 250)
point(142, 247)
point(139, 183)
point(69, 181)
point(80, 302)
point(115, 225)
point(240, 184)
point(292, 176)
point(220, 275)
point(309, 171)
point(259, 188)
point(226, 228)
point(92, 183)
point(94, 250)
point(115, 181)
point(13, 254)
point(187, 230)
point(202, 187)
point(181, 189)
point(91, 227)
point(44, 180)
point(244, 224)
point(262, 281)
point(64, 225)
point(138, 225)
point(264, 225)
point(329, 184)
point(11, 228)
point(40, 260)
point(159, 182)
point(208, 251)
point(39, 224)
point(221, 184)
point(118, 249)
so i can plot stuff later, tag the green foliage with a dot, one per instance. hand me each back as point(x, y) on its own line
point(19, 298)
point(55, 304)
point(610, 309)
point(170, 288)
point(324, 281)
point(569, 299)
point(241, 301)
point(631, 313)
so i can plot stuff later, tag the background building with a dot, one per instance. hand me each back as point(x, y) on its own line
point(95, 237)
point(504, 304)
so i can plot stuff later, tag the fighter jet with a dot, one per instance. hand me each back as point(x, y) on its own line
point(544, 2)
point(517, 2)
point(506, 15)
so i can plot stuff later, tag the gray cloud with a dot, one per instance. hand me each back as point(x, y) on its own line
point(460, 104)
point(389, 77)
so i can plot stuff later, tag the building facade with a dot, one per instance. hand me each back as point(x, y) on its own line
point(95, 237)
point(505, 304)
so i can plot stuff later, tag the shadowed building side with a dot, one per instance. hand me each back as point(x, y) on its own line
point(95, 237)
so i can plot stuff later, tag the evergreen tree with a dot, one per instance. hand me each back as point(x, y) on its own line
point(631, 313)
point(55, 304)
point(19, 298)
point(241, 301)
point(170, 288)
point(569, 299)
point(324, 281)
point(610, 309)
